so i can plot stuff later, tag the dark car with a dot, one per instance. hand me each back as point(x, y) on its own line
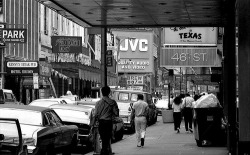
point(11, 142)
point(42, 129)
point(118, 126)
point(125, 100)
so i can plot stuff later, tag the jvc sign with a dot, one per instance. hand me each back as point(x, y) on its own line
point(14, 35)
point(142, 44)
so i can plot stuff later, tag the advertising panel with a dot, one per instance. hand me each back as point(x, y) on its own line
point(66, 44)
point(197, 57)
point(134, 65)
point(14, 35)
point(190, 35)
point(135, 80)
point(136, 52)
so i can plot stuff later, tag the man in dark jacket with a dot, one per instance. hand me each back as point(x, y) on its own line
point(105, 110)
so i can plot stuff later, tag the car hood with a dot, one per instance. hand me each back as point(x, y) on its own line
point(29, 130)
point(124, 108)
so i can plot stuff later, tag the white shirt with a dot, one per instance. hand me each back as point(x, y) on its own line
point(177, 108)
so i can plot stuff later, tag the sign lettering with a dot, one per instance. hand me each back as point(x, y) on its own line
point(14, 35)
point(142, 43)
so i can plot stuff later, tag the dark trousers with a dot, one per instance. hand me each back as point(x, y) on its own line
point(188, 118)
point(105, 130)
point(177, 120)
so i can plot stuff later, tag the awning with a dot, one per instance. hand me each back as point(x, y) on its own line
point(28, 82)
point(88, 75)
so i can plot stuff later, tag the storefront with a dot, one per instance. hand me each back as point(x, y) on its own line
point(29, 80)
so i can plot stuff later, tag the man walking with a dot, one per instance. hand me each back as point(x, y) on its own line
point(188, 112)
point(105, 110)
point(140, 111)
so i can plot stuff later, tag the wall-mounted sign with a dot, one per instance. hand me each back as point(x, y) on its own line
point(198, 57)
point(134, 65)
point(35, 81)
point(134, 44)
point(190, 35)
point(23, 68)
point(14, 35)
point(135, 87)
point(135, 80)
point(66, 44)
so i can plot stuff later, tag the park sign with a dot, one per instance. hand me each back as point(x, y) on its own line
point(66, 44)
point(14, 35)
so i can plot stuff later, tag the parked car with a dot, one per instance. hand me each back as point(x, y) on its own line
point(47, 102)
point(72, 98)
point(118, 126)
point(42, 129)
point(11, 141)
point(7, 97)
point(125, 100)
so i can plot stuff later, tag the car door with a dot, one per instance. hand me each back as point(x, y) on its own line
point(65, 130)
point(56, 127)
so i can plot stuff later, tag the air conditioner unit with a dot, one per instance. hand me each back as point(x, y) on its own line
point(46, 32)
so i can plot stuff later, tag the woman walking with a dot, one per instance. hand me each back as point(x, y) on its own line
point(177, 113)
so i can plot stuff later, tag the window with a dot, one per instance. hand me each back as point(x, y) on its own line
point(134, 97)
point(123, 96)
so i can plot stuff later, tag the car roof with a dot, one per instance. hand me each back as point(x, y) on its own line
point(71, 107)
point(49, 99)
point(24, 107)
point(7, 90)
point(131, 91)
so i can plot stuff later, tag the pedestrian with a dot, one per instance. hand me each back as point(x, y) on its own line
point(177, 113)
point(105, 110)
point(187, 108)
point(140, 114)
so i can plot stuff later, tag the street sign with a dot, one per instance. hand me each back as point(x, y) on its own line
point(14, 35)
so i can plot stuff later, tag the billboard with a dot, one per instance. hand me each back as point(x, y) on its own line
point(190, 35)
point(66, 44)
point(23, 68)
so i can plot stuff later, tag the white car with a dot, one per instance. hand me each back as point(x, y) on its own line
point(47, 102)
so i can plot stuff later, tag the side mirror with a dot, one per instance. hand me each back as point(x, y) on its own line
point(1, 137)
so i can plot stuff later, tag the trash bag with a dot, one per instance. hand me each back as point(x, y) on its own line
point(207, 101)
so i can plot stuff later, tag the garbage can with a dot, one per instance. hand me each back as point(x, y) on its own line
point(167, 116)
point(207, 126)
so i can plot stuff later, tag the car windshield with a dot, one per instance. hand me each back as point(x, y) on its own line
point(134, 97)
point(10, 132)
point(67, 114)
point(123, 96)
point(34, 117)
point(45, 103)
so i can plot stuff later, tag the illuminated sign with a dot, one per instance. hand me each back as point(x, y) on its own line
point(141, 44)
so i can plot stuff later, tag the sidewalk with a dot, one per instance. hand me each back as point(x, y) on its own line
point(161, 139)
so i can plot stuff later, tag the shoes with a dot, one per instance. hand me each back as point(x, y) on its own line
point(178, 130)
point(142, 142)
point(191, 131)
point(138, 145)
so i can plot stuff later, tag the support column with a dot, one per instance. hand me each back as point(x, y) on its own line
point(103, 56)
point(244, 74)
point(229, 75)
